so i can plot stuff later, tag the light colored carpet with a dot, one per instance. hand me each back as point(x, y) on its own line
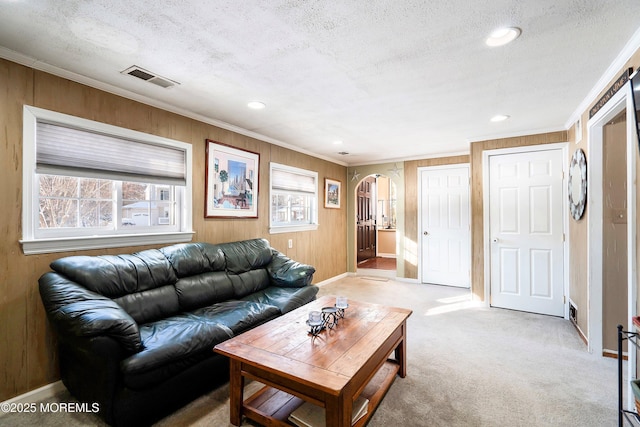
point(468, 365)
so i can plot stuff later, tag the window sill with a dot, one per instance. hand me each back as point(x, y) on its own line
point(293, 228)
point(43, 246)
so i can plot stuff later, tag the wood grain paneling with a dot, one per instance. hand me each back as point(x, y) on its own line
point(477, 218)
point(411, 203)
point(16, 88)
point(614, 232)
point(27, 345)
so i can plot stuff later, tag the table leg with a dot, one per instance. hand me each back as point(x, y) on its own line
point(401, 352)
point(338, 411)
point(236, 391)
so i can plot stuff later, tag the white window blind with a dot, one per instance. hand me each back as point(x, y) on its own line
point(292, 182)
point(60, 149)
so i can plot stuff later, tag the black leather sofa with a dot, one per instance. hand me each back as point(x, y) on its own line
point(136, 332)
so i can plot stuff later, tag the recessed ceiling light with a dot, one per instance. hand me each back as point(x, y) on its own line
point(337, 142)
point(502, 36)
point(256, 105)
point(499, 118)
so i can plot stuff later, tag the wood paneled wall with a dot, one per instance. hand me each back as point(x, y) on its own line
point(578, 230)
point(477, 218)
point(27, 345)
point(411, 205)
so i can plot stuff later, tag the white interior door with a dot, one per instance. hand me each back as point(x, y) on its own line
point(527, 231)
point(446, 233)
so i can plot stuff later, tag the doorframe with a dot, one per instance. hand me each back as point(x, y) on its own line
point(419, 231)
point(486, 155)
point(620, 101)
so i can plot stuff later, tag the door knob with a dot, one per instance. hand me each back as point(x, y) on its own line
point(495, 240)
point(426, 233)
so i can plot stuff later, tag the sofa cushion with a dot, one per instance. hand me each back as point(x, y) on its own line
point(150, 305)
point(246, 255)
point(286, 299)
point(116, 275)
point(203, 289)
point(238, 315)
point(171, 345)
point(249, 282)
point(190, 259)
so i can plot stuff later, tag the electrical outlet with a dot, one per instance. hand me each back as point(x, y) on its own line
point(290, 243)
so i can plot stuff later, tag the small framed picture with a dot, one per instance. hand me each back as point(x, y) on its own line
point(231, 182)
point(332, 190)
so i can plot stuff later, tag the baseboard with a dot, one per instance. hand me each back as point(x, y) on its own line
point(384, 255)
point(332, 279)
point(408, 280)
point(37, 395)
point(352, 274)
point(580, 333)
point(614, 354)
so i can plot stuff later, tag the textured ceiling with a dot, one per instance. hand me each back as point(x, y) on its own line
point(392, 79)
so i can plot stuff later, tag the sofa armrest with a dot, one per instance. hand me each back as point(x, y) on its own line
point(76, 311)
point(286, 273)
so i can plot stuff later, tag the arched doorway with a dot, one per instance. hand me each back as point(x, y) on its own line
point(375, 225)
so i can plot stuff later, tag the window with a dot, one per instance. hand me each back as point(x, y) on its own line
point(89, 185)
point(294, 199)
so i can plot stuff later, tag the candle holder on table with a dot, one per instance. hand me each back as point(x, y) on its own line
point(330, 316)
point(341, 306)
point(315, 322)
point(327, 318)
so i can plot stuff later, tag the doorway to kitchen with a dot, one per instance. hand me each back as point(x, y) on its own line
point(376, 220)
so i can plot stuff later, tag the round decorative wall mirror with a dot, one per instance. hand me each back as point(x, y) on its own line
point(577, 184)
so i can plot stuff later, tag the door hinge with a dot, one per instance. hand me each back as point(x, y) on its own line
point(564, 237)
point(564, 299)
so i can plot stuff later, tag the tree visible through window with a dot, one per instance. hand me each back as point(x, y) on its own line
point(92, 185)
point(73, 202)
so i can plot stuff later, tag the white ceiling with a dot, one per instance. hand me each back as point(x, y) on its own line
point(393, 80)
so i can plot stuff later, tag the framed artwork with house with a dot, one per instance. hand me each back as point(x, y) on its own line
point(332, 194)
point(231, 181)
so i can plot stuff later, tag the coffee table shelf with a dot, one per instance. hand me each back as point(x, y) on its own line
point(272, 407)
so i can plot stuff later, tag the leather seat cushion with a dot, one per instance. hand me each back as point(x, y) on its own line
point(176, 343)
point(286, 299)
point(238, 315)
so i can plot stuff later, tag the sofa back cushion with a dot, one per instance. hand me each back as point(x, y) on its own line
point(246, 255)
point(157, 283)
point(204, 289)
point(249, 282)
point(116, 275)
point(189, 259)
point(141, 283)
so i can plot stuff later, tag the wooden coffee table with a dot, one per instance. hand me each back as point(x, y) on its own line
point(330, 370)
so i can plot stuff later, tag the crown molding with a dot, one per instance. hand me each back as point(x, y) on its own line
point(612, 72)
point(105, 87)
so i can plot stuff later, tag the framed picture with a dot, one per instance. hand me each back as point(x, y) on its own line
point(231, 182)
point(332, 189)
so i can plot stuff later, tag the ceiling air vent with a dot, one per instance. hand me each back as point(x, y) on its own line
point(148, 76)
